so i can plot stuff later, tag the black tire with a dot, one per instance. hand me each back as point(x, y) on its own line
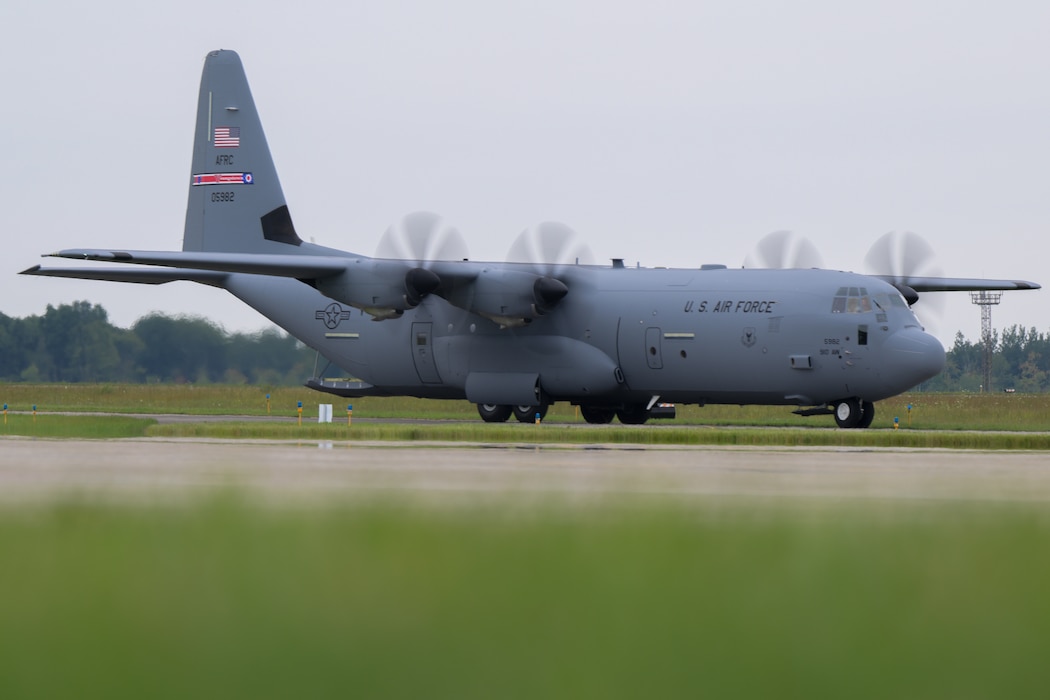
point(527, 414)
point(493, 413)
point(848, 413)
point(633, 414)
point(598, 415)
point(867, 414)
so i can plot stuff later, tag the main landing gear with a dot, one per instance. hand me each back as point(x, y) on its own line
point(493, 413)
point(527, 414)
point(629, 414)
point(597, 415)
point(498, 413)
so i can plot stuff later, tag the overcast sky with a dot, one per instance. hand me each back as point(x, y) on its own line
point(670, 134)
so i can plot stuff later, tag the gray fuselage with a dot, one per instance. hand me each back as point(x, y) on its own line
point(625, 335)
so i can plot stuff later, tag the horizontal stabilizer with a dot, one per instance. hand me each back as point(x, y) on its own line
point(137, 276)
point(297, 266)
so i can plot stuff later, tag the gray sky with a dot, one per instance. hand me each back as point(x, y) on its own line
point(670, 134)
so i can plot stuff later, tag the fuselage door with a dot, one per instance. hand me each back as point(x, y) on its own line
point(653, 353)
point(423, 354)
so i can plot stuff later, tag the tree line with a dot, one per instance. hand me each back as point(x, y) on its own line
point(77, 343)
point(1020, 362)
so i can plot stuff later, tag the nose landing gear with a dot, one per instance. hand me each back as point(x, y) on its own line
point(854, 413)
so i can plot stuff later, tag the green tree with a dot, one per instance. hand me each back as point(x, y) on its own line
point(80, 342)
point(180, 349)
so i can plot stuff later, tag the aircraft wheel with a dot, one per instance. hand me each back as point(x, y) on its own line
point(493, 413)
point(598, 415)
point(527, 414)
point(867, 414)
point(848, 413)
point(633, 414)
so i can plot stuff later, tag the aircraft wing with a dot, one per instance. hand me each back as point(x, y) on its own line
point(382, 287)
point(298, 266)
point(956, 284)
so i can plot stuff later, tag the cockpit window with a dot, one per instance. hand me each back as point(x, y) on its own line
point(851, 300)
point(885, 301)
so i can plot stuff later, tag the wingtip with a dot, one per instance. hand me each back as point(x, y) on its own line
point(30, 270)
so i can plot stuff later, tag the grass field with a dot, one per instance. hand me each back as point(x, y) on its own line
point(720, 599)
point(935, 420)
point(103, 427)
point(1005, 421)
point(217, 595)
point(1026, 412)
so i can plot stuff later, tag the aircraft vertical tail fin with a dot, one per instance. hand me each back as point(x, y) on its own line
point(235, 199)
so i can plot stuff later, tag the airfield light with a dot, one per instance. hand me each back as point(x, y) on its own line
point(267, 404)
point(537, 417)
point(300, 409)
point(349, 413)
point(896, 422)
point(5, 414)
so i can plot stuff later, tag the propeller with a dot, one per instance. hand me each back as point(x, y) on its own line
point(422, 236)
point(903, 254)
point(784, 250)
point(548, 245)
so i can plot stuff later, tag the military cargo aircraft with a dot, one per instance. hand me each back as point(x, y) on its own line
point(515, 337)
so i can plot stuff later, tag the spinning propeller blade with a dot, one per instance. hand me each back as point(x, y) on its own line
point(784, 250)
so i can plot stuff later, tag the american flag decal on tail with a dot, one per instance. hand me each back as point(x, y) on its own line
point(227, 137)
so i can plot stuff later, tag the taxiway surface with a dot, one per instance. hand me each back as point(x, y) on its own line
point(34, 469)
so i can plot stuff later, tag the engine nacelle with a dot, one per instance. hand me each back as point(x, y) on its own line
point(512, 297)
point(382, 288)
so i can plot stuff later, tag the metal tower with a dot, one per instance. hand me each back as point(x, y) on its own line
point(986, 300)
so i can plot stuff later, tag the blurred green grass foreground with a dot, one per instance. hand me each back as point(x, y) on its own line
point(722, 598)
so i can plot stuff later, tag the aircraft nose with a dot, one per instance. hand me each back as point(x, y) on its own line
point(916, 354)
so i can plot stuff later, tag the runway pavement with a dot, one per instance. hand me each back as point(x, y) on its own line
point(33, 470)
